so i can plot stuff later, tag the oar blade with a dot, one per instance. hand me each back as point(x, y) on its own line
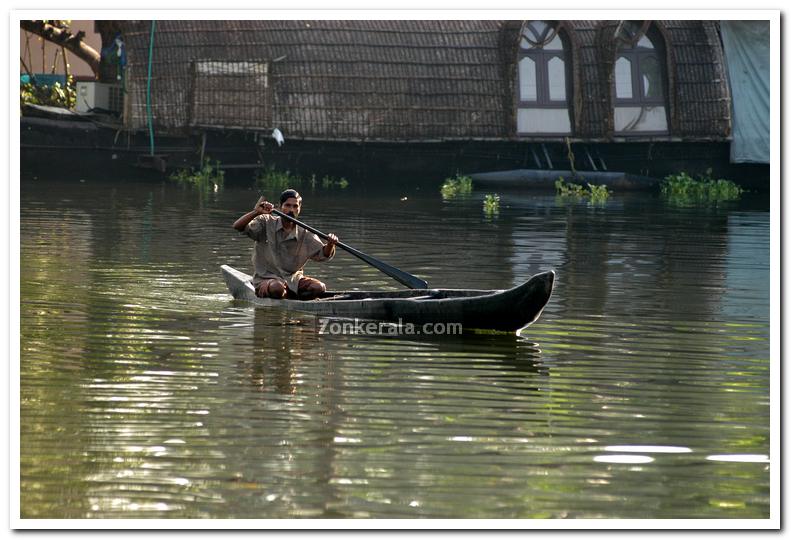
point(413, 282)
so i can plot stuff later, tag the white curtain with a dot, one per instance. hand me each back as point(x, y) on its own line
point(746, 46)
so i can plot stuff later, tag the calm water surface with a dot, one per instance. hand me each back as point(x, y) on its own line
point(147, 392)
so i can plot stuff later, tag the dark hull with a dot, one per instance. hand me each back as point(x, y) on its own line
point(505, 310)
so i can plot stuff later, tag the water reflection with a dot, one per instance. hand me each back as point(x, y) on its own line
point(276, 352)
point(147, 392)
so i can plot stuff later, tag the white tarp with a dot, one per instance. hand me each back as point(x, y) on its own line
point(746, 45)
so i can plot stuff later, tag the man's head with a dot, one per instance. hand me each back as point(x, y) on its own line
point(290, 202)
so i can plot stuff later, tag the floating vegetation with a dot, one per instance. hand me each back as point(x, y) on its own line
point(491, 204)
point(458, 185)
point(568, 189)
point(271, 179)
point(330, 182)
point(208, 177)
point(683, 190)
point(596, 193)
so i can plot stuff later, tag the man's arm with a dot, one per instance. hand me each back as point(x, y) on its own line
point(329, 248)
point(323, 252)
point(261, 207)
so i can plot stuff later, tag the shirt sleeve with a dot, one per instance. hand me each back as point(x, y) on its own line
point(316, 248)
point(256, 229)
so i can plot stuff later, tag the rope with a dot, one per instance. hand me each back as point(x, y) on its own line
point(148, 88)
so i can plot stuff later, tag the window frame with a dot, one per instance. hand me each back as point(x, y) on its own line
point(635, 58)
point(629, 49)
point(636, 55)
point(541, 58)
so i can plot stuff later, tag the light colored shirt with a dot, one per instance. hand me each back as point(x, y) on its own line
point(280, 253)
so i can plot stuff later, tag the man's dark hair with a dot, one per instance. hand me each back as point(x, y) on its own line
point(289, 194)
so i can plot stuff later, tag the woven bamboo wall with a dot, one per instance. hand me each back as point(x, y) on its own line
point(702, 97)
point(397, 80)
point(339, 79)
point(593, 114)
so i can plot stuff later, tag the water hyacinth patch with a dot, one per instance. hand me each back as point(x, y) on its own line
point(682, 189)
point(491, 204)
point(208, 177)
point(458, 185)
point(596, 193)
point(272, 180)
point(329, 182)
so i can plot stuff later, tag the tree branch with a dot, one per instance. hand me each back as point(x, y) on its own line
point(64, 38)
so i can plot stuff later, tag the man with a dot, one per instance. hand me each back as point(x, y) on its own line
point(282, 249)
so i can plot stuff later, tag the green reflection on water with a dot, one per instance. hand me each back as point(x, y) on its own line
point(147, 393)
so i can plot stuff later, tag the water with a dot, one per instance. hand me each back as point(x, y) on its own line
point(146, 392)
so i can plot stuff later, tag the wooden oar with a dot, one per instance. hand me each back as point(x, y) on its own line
point(413, 282)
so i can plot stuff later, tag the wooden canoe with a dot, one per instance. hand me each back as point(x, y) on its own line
point(505, 310)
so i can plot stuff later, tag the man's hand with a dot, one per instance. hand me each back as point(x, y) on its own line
point(263, 207)
point(329, 248)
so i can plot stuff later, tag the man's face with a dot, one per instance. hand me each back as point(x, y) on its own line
point(291, 207)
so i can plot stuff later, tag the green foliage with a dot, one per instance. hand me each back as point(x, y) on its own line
point(491, 204)
point(272, 180)
point(208, 177)
point(53, 96)
point(458, 185)
point(568, 189)
point(683, 190)
point(596, 193)
point(330, 182)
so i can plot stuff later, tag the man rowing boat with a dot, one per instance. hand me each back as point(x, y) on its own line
point(282, 249)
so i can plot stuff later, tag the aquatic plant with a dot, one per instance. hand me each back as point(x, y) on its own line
point(682, 189)
point(271, 179)
point(330, 182)
point(565, 189)
point(458, 185)
point(596, 193)
point(491, 204)
point(208, 177)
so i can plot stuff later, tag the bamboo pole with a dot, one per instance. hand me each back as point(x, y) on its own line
point(54, 62)
point(27, 69)
point(65, 64)
point(27, 48)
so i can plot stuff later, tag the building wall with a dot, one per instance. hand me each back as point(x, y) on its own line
point(406, 81)
point(40, 54)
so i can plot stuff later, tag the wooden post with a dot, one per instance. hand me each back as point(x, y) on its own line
point(65, 64)
point(27, 69)
point(54, 62)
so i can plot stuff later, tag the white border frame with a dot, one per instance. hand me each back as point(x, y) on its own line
point(12, 287)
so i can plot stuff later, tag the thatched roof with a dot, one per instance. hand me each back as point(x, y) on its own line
point(395, 80)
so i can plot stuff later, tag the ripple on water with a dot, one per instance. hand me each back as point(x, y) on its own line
point(146, 392)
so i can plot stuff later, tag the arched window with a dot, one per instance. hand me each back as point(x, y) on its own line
point(640, 102)
point(543, 79)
